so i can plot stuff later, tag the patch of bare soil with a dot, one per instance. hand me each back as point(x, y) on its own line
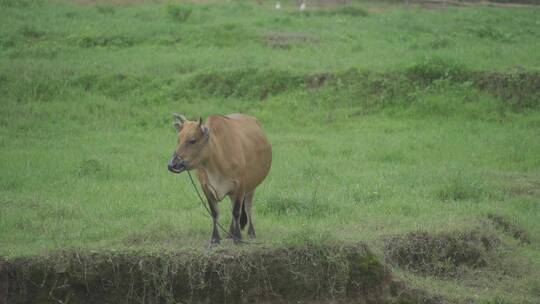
point(115, 2)
point(287, 40)
point(379, 7)
point(511, 229)
point(329, 2)
point(442, 4)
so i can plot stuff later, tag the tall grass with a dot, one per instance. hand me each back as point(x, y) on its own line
point(381, 124)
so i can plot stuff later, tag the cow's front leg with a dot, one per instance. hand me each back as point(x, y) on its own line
point(212, 203)
point(248, 203)
point(231, 229)
point(236, 214)
point(216, 239)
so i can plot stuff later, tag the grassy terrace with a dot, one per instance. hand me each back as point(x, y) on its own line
point(414, 131)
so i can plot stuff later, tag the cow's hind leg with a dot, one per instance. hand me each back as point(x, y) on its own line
point(243, 220)
point(248, 203)
point(231, 229)
point(238, 202)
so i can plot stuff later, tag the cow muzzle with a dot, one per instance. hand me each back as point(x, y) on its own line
point(176, 164)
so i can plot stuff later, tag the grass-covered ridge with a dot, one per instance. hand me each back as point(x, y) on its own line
point(281, 274)
point(406, 129)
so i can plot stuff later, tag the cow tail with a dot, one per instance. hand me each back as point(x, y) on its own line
point(243, 217)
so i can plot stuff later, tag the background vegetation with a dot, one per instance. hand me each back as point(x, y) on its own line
point(416, 131)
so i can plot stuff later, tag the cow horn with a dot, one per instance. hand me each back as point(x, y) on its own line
point(179, 117)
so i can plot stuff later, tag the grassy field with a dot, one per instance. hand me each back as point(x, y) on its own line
point(384, 121)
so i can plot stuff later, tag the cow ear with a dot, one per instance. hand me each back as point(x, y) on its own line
point(200, 121)
point(178, 125)
point(205, 130)
point(179, 117)
point(179, 120)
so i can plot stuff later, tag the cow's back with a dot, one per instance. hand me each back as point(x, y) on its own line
point(243, 139)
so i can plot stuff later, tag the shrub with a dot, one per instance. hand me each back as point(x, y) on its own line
point(434, 68)
point(353, 11)
point(178, 13)
point(460, 188)
point(490, 33)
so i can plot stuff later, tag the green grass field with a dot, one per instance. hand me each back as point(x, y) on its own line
point(383, 120)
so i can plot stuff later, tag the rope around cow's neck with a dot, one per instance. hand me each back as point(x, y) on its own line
point(210, 212)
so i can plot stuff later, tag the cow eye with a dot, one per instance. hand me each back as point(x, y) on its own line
point(192, 141)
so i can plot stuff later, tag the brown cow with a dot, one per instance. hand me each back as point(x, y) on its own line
point(232, 157)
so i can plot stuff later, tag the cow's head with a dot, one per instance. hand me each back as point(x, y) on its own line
point(192, 139)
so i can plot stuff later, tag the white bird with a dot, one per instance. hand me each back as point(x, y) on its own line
point(303, 6)
point(278, 5)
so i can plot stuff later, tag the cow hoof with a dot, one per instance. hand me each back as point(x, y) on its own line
point(213, 244)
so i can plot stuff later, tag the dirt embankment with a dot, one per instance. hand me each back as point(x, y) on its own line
point(323, 273)
point(340, 273)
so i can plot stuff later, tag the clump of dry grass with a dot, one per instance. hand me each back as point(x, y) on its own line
point(442, 255)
